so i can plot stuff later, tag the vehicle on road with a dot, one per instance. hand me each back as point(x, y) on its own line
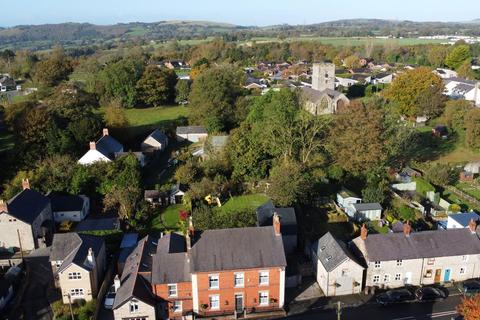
point(430, 294)
point(395, 296)
point(109, 298)
point(471, 287)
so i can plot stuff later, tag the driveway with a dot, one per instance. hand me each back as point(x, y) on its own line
point(39, 278)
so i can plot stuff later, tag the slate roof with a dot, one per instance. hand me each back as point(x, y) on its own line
point(171, 262)
point(27, 205)
point(288, 219)
point(73, 248)
point(367, 206)
point(159, 136)
point(134, 281)
point(330, 252)
point(191, 130)
point(316, 95)
point(425, 244)
point(239, 248)
point(66, 202)
point(464, 218)
point(108, 146)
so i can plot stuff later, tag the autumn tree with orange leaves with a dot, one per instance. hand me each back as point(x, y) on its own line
point(470, 308)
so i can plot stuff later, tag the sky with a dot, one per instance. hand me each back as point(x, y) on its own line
point(241, 12)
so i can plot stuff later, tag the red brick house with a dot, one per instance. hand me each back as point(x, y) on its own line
point(221, 273)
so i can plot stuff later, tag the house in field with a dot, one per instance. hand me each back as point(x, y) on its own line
point(462, 220)
point(472, 167)
point(288, 222)
point(445, 73)
point(322, 98)
point(156, 198)
point(66, 207)
point(102, 150)
point(176, 64)
point(134, 298)
point(78, 263)
point(7, 83)
point(157, 141)
point(177, 193)
point(457, 88)
point(26, 220)
point(382, 78)
point(191, 133)
point(344, 82)
point(345, 200)
point(337, 271)
point(367, 211)
point(418, 258)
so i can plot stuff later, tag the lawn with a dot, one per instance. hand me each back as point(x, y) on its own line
point(155, 116)
point(459, 155)
point(245, 202)
point(469, 189)
point(167, 219)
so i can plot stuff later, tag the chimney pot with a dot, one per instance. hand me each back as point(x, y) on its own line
point(363, 232)
point(25, 184)
point(276, 224)
point(472, 226)
point(191, 228)
point(93, 145)
point(90, 256)
point(407, 229)
point(105, 132)
point(116, 283)
point(3, 206)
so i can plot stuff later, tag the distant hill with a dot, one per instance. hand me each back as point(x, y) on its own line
point(47, 35)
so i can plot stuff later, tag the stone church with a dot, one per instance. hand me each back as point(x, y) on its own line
point(322, 98)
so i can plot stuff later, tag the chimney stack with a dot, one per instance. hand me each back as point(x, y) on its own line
point(116, 283)
point(472, 226)
point(191, 229)
point(363, 232)
point(3, 206)
point(90, 258)
point(276, 224)
point(93, 145)
point(105, 132)
point(25, 184)
point(407, 229)
point(188, 241)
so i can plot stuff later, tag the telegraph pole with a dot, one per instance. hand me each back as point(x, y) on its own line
point(20, 244)
point(339, 310)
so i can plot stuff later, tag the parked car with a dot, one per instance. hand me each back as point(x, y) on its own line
point(395, 296)
point(471, 287)
point(109, 298)
point(430, 294)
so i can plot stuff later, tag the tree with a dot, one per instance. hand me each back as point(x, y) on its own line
point(455, 114)
point(288, 184)
point(186, 173)
point(52, 71)
point(120, 80)
point(352, 62)
point(458, 55)
point(115, 115)
point(436, 56)
point(465, 71)
point(182, 90)
point(213, 96)
point(417, 92)
point(440, 174)
point(157, 86)
point(472, 126)
point(469, 308)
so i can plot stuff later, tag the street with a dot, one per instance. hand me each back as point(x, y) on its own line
point(442, 310)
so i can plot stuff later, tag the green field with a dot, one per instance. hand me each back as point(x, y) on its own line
point(155, 116)
point(242, 203)
point(345, 41)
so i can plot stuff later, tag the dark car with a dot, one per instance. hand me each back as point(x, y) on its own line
point(471, 287)
point(395, 296)
point(430, 294)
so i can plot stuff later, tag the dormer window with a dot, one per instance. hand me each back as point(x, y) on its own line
point(134, 306)
point(329, 258)
point(322, 248)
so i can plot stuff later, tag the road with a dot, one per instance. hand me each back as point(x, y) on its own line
point(442, 310)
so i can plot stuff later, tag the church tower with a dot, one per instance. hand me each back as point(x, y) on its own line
point(323, 76)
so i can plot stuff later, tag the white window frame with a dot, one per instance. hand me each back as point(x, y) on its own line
point(178, 308)
point(266, 301)
point(216, 298)
point(172, 285)
point(386, 278)
point(77, 292)
point(377, 277)
point(263, 274)
point(134, 306)
point(210, 278)
point(399, 263)
point(463, 270)
point(74, 276)
point(377, 264)
point(241, 276)
point(398, 277)
point(464, 258)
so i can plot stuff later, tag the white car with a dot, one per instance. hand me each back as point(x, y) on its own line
point(110, 298)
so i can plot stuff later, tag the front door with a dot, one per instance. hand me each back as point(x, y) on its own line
point(239, 302)
point(438, 275)
point(408, 278)
point(446, 276)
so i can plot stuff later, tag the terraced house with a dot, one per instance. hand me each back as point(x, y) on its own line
point(419, 258)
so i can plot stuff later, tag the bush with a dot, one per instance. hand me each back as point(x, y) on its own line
point(406, 213)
